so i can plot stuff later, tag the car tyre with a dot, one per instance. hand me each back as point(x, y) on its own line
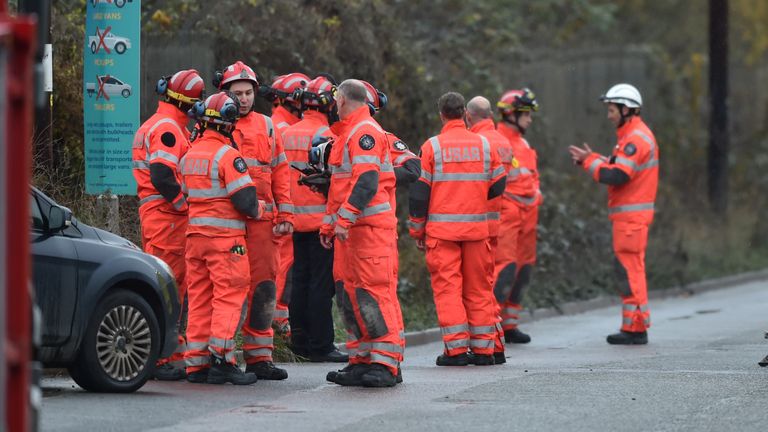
point(120, 346)
point(125, 93)
point(93, 47)
point(119, 3)
point(120, 47)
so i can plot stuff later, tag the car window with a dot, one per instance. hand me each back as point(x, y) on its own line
point(112, 81)
point(35, 213)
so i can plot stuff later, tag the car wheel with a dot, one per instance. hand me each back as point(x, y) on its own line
point(125, 93)
point(93, 2)
point(93, 47)
point(119, 3)
point(120, 47)
point(120, 345)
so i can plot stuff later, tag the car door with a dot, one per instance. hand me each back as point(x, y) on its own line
point(54, 270)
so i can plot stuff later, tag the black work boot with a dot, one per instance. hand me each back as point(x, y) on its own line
point(499, 358)
point(516, 336)
point(266, 370)
point(480, 359)
point(334, 356)
point(198, 377)
point(352, 376)
point(167, 372)
point(378, 375)
point(222, 372)
point(628, 338)
point(457, 360)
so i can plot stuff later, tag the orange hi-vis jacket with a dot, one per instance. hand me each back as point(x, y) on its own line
point(637, 155)
point(361, 147)
point(459, 168)
point(212, 171)
point(164, 139)
point(262, 148)
point(523, 179)
point(501, 146)
point(308, 206)
point(282, 118)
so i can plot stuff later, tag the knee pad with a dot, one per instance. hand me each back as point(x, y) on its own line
point(504, 282)
point(263, 305)
point(347, 313)
point(622, 278)
point(370, 312)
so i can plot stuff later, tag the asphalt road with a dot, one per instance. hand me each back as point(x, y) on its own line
point(699, 372)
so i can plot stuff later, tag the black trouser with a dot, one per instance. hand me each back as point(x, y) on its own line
point(310, 309)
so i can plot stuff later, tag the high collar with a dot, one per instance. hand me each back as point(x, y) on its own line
point(355, 117)
point(483, 125)
point(212, 135)
point(171, 111)
point(509, 129)
point(248, 118)
point(284, 113)
point(453, 124)
point(315, 116)
point(628, 126)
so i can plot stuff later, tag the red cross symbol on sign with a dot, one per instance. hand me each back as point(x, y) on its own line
point(101, 81)
point(101, 36)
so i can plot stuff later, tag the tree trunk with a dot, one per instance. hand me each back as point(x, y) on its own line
point(717, 166)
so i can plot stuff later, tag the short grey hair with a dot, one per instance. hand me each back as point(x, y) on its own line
point(353, 90)
point(479, 107)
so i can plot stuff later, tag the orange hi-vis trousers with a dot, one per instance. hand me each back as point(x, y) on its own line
point(366, 281)
point(629, 242)
point(164, 236)
point(257, 332)
point(461, 284)
point(514, 260)
point(218, 278)
point(284, 282)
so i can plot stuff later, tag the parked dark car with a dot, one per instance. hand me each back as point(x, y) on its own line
point(108, 309)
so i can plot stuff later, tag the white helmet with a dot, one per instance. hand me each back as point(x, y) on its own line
point(624, 94)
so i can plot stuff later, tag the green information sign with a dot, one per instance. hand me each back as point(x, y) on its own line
point(111, 66)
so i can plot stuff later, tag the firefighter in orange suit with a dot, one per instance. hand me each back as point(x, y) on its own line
point(407, 169)
point(286, 111)
point(520, 203)
point(157, 147)
point(480, 121)
point(362, 221)
point(262, 148)
point(312, 284)
point(632, 176)
point(221, 197)
point(448, 217)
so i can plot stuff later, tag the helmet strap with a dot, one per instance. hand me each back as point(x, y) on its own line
point(514, 120)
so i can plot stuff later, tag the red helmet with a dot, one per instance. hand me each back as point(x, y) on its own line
point(319, 93)
point(517, 100)
point(376, 99)
point(221, 108)
point(237, 71)
point(285, 86)
point(184, 87)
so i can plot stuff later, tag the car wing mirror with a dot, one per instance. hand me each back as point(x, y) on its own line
point(59, 218)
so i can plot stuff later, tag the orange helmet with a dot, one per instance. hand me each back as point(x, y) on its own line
point(517, 101)
point(219, 111)
point(284, 88)
point(237, 71)
point(319, 93)
point(182, 88)
point(377, 100)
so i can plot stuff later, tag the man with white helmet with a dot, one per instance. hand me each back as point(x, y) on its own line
point(631, 173)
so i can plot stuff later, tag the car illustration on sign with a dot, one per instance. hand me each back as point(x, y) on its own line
point(108, 85)
point(108, 42)
point(118, 3)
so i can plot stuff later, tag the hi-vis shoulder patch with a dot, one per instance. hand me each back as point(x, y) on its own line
point(240, 165)
point(400, 146)
point(630, 149)
point(366, 142)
